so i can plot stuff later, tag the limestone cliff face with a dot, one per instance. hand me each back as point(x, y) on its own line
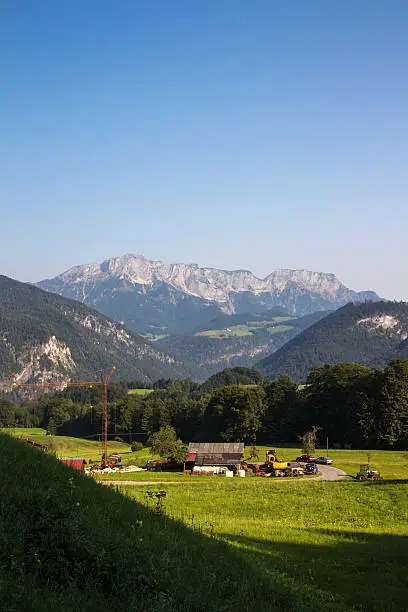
point(209, 284)
point(46, 337)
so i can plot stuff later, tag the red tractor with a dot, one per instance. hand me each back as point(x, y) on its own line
point(366, 474)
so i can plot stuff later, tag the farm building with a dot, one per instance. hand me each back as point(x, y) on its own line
point(228, 454)
point(77, 463)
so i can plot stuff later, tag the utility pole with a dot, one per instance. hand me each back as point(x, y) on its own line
point(327, 446)
point(62, 384)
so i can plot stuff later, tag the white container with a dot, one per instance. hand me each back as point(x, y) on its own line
point(229, 474)
point(241, 473)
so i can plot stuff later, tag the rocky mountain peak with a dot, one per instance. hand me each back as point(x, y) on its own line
point(206, 283)
point(159, 299)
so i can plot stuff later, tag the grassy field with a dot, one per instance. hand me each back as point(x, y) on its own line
point(212, 543)
point(65, 446)
point(70, 544)
point(347, 540)
point(273, 326)
point(236, 330)
point(140, 391)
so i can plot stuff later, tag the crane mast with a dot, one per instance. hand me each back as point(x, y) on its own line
point(83, 383)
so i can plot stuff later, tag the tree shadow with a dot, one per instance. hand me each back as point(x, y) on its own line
point(385, 481)
point(368, 571)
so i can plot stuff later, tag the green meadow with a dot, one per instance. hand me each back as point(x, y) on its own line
point(201, 543)
point(347, 540)
point(66, 446)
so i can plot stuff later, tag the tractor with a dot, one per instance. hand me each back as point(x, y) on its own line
point(281, 468)
point(271, 456)
point(366, 473)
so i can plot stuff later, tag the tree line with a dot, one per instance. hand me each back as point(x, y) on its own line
point(348, 403)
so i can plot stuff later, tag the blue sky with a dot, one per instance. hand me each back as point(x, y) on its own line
point(228, 133)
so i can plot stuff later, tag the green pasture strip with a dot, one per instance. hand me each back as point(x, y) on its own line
point(391, 464)
point(140, 391)
point(68, 446)
point(347, 539)
point(68, 543)
point(279, 329)
point(237, 330)
point(24, 432)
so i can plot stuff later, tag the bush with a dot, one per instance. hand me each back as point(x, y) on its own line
point(136, 446)
point(118, 439)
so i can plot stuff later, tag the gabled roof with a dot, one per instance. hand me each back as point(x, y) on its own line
point(216, 453)
point(216, 448)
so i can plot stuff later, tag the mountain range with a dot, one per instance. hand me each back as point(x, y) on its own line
point(372, 334)
point(201, 320)
point(158, 299)
point(46, 337)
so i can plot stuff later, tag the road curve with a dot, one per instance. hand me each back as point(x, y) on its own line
point(327, 472)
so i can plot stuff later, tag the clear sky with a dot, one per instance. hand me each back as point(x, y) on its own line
point(255, 134)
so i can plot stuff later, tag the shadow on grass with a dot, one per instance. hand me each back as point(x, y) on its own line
point(384, 481)
point(367, 571)
point(68, 543)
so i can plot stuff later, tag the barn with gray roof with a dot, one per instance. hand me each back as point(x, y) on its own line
point(215, 453)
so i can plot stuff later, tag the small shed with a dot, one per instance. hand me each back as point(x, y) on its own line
point(77, 463)
point(215, 453)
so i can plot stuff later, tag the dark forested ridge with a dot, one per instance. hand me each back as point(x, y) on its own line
point(349, 403)
point(371, 333)
point(43, 333)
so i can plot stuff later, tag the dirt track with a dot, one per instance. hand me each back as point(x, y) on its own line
point(325, 473)
point(138, 483)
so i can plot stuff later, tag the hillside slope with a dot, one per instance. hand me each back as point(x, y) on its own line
point(43, 336)
point(369, 333)
point(152, 297)
point(68, 543)
point(235, 340)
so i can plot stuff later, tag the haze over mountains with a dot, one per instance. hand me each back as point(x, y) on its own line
point(46, 337)
point(155, 298)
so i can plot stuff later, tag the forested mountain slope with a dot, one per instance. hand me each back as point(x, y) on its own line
point(43, 336)
point(371, 333)
point(235, 340)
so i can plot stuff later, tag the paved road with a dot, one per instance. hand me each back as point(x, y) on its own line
point(325, 473)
